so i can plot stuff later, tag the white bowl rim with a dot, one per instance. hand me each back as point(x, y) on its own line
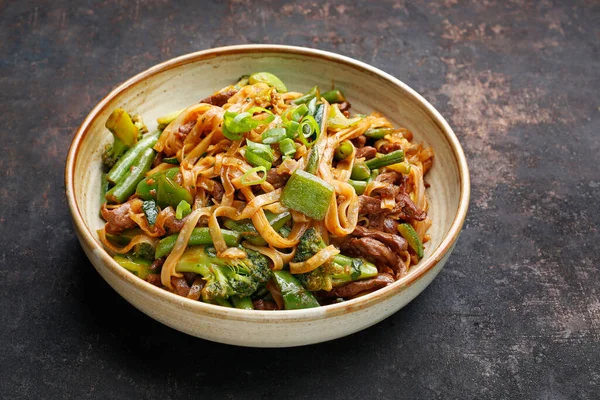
point(425, 265)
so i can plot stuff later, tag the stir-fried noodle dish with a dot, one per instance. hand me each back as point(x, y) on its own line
point(262, 198)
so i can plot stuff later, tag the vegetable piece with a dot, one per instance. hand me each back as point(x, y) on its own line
point(273, 135)
point(136, 265)
point(163, 188)
point(113, 152)
point(246, 228)
point(259, 154)
point(170, 193)
point(340, 271)
point(334, 96)
point(359, 186)
point(236, 124)
point(146, 189)
point(403, 167)
point(309, 96)
point(337, 120)
point(183, 209)
point(124, 237)
point(318, 114)
point(287, 147)
point(167, 119)
point(343, 150)
point(122, 167)
point(126, 187)
point(226, 277)
point(200, 236)
point(291, 129)
point(313, 161)
point(245, 303)
point(294, 295)
point(385, 160)
point(360, 172)
point(246, 182)
point(269, 79)
point(149, 207)
point(308, 194)
point(409, 233)
point(297, 113)
point(119, 123)
point(378, 133)
point(309, 128)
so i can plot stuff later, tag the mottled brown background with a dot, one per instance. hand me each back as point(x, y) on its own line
point(516, 311)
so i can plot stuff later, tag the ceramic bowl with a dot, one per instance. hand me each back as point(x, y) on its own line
point(182, 81)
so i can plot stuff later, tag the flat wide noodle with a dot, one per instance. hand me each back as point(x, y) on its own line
point(168, 269)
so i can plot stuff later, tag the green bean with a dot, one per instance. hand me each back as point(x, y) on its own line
point(360, 172)
point(378, 133)
point(343, 150)
point(200, 236)
point(313, 161)
point(126, 187)
point(359, 186)
point(121, 168)
point(391, 158)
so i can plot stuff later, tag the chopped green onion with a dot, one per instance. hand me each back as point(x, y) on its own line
point(243, 81)
point(291, 129)
point(299, 112)
point(256, 170)
point(149, 207)
point(269, 79)
point(183, 209)
point(287, 147)
point(313, 161)
point(312, 107)
point(259, 154)
point(236, 124)
point(273, 135)
point(391, 158)
point(308, 128)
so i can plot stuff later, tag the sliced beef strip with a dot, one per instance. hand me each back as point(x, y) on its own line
point(261, 304)
point(395, 242)
point(219, 99)
point(185, 129)
point(354, 288)
point(389, 147)
point(406, 205)
point(367, 152)
point(359, 141)
point(367, 248)
point(276, 179)
point(180, 285)
point(117, 219)
point(218, 191)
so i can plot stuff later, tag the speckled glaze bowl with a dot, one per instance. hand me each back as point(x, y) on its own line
point(182, 81)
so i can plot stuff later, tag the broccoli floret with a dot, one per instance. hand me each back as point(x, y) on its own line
point(112, 152)
point(340, 270)
point(126, 133)
point(310, 244)
point(144, 250)
point(225, 278)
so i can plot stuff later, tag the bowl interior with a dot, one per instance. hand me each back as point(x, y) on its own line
point(181, 84)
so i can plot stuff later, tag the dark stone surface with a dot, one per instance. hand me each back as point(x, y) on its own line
point(516, 311)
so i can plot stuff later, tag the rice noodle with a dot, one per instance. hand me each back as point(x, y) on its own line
point(315, 261)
